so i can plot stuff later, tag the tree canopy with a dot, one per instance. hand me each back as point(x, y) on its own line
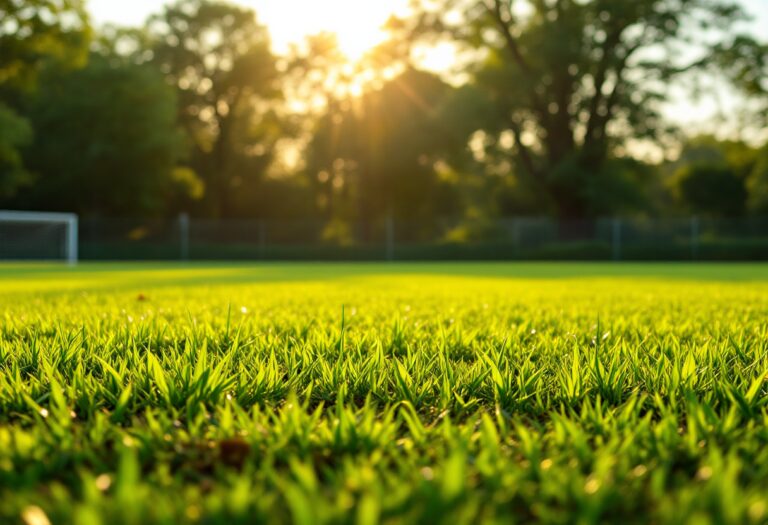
point(107, 141)
point(382, 150)
point(219, 59)
point(33, 34)
point(577, 82)
point(551, 109)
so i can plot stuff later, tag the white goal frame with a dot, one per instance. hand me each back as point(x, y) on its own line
point(69, 220)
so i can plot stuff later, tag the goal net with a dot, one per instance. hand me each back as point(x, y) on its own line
point(34, 236)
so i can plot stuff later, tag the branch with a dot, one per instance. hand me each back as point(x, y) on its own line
point(595, 120)
point(494, 7)
point(598, 124)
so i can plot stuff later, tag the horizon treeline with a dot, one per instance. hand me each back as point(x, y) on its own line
point(543, 114)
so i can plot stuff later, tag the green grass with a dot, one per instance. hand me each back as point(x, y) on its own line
point(383, 393)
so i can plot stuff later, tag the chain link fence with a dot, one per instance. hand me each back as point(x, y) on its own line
point(523, 238)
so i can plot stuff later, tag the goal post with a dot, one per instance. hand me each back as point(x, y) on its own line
point(38, 235)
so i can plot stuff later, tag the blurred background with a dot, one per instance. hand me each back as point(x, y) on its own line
point(385, 129)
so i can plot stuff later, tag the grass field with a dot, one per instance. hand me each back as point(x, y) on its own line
point(383, 393)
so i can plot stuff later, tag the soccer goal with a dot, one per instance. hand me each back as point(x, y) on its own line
point(38, 236)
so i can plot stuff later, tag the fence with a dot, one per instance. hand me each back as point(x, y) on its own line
point(522, 238)
point(444, 239)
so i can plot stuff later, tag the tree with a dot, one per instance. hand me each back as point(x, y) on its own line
point(33, 33)
point(575, 82)
point(379, 153)
point(218, 58)
point(106, 142)
point(745, 61)
point(712, 176)
point(15, 132)
point(712, 190)
point(757, 184)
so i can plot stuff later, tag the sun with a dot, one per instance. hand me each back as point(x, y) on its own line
point(357, 24)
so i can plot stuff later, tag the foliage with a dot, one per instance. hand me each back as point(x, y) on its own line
point(718, 178)
point(545, 113)
point(15, 132)
point(757, 184)
point(365, 394)
point(106, 140)
point(32, 32)
point(712, 190)
point(745, 61)
point(378, 155)
point(573, 81)
point(219, 59)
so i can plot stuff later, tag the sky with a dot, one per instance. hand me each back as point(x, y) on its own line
point(357, 24)
point(356, 21)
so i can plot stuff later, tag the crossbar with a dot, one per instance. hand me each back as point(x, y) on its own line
point(69, 219)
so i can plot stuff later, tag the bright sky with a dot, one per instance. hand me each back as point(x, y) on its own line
point(357, 24)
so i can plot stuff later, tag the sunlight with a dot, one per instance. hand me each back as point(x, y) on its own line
point(357, 24)
point(439, 58)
